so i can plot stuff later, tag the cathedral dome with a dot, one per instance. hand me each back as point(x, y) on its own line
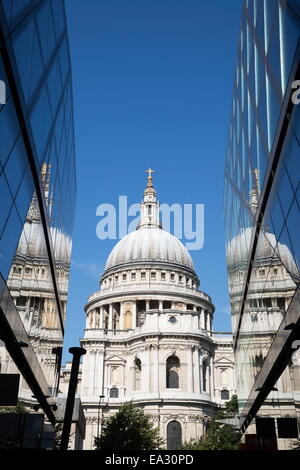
point(267, 248)
point(149, 244)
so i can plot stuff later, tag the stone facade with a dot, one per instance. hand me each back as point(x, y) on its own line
point(149, 337)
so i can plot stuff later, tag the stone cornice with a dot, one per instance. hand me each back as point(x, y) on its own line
point(145, 339)
point(147, 294)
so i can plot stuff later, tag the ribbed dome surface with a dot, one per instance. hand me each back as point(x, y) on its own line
point(149, 244)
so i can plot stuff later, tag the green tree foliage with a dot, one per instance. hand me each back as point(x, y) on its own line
point(11, 442)
point(232, 406)
point(218, 436)
point(19, 408)
point(129, 429)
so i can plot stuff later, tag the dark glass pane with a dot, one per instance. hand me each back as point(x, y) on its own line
point(114, 393)
point(174, 435)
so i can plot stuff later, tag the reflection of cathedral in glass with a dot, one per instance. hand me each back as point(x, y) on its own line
point(37, 194)
point(270, 291)
point(31, 287)
point(261, 208)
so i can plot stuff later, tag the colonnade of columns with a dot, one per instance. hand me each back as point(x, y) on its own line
point(112, 316)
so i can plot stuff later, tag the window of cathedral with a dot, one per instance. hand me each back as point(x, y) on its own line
point(172, 319)
point(115, 321)
point(124, 277)
point(163, 276)
point(153, 275)
point(181, 279)
point(190, 307)
point(262, 272)
point(174, 435)
point(172, 372)
point(166, 304)
point(224, 395)
point(114, 392)
point(137, 374)
point(116, 279)
point(28, 270)
point(143, 275)
point(267, 302)
point(153, 305)
point(172, 277)
point(21, 301)
point(133, 276)
point(17, 269)
point(275, 271)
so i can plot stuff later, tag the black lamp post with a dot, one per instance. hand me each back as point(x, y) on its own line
point(100, 398)
point(77, 353)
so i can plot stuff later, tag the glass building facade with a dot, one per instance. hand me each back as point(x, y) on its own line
point(262, 204)
point(37, 192)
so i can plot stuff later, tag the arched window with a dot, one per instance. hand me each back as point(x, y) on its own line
point(137, 374)
point(172, 372)
point(174, 435)
point(114, 392)
point(224, 395)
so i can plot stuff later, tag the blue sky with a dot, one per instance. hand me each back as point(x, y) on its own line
point(152, 84)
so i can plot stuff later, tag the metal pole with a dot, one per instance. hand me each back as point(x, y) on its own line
point(77, 353)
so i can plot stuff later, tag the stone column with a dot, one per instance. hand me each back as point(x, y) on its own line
point(149, 368)
point(212, 381)
point(147, 305)
point(95, 313)
point(91, 366)
point(201, 371)
point(121, 327)
point(190, 370)
point(202, 319)
point(110, 318)
point(209, 323)
point(156, 367)
point(101, 371)
point(160, 305)
point(101, 318)
point(196, 370)
point(134, 315)
point(144, 378)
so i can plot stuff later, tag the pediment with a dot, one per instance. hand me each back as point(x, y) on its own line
point(115, 358)
point(223, 360)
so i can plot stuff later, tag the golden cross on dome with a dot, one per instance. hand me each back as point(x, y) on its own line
point(149, 171)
